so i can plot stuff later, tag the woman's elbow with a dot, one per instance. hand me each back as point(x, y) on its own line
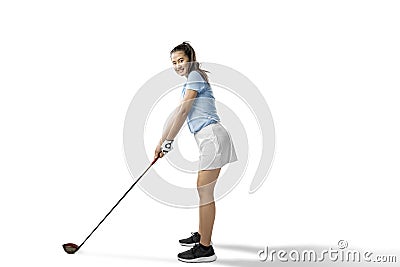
point(183, 113)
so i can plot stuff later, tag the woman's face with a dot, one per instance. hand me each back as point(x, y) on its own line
point(179, 60)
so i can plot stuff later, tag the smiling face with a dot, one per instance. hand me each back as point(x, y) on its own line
point(180, 62)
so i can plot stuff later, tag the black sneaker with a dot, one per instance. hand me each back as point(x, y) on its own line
point(191, 241)
point(198, 254)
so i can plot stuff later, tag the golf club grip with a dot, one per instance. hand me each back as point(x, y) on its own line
point(130, 188)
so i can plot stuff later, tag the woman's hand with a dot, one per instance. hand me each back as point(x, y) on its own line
point(163, 148)
point(157, 152)
point(167, 146)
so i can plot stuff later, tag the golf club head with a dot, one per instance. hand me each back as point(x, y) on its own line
point(70, 248)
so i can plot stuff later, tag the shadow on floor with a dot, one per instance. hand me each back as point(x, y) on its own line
point(253, 260)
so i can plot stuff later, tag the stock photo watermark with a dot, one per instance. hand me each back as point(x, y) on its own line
point(229, 82)
point(341, 253)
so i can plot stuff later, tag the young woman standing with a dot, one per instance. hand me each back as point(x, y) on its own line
point(215, 146)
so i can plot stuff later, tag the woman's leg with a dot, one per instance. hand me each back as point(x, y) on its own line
point(206, 181)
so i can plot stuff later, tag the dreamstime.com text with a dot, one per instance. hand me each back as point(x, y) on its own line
point(340, 254)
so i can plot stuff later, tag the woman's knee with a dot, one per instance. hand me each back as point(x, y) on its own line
point(205, 184)
point(206, 193)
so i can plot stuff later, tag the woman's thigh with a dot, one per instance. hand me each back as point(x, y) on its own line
point(207, 177)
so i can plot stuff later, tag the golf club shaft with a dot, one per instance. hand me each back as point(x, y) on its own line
point(154, 161)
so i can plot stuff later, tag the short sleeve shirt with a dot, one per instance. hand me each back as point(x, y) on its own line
point(203, 111)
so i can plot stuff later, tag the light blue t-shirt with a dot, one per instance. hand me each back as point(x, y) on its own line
point(203, 111)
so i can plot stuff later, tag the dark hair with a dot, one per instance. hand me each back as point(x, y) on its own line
point(191, 54)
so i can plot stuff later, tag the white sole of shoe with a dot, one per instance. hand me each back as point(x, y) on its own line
point(188, 245)
point(202, 259)
point(192, 245)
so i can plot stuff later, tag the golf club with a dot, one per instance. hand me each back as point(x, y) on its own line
point(71, 248)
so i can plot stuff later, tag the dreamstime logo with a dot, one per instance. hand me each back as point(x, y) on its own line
point(342, 254)
point(342, 244)
point(142, 107)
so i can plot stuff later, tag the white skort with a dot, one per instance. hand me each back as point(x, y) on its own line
point(215, 147)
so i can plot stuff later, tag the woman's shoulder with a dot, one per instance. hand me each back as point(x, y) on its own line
point(195, 75)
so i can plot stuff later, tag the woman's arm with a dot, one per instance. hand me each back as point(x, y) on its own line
point(168, 126)
point(181, 114)
point(176, 121)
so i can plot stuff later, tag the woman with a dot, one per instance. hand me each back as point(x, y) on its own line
point(215, 146)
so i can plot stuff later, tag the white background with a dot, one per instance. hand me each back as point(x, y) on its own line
point(329, 71)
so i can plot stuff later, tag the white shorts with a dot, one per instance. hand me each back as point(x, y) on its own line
point(215, 147)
